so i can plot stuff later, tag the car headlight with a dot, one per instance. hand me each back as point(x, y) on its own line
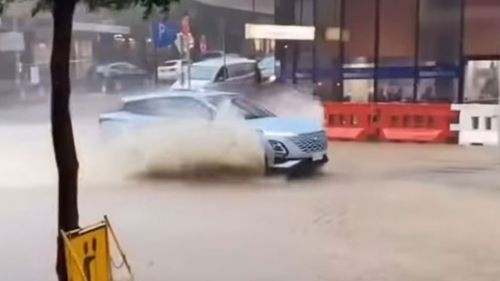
point(279, 148)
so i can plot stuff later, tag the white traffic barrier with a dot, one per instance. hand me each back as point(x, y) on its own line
point(478, 124)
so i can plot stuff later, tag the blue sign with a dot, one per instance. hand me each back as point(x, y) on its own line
point(164, 34)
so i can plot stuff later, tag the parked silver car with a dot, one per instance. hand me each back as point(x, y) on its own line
point(227, 74)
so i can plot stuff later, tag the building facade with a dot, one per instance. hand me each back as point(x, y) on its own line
point(396, 50)
point(388, 50)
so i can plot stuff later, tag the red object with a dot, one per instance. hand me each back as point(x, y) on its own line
point(416, 122)
point(350, 121)
point(429, 123)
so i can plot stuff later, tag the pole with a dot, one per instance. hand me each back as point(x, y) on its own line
point(155, 64)
point(180, 37)
point(498, 110)
point(342, 46)
point(155, 55)
point(376, 51)
point(188, 57)
point(461, 60)
point(17, 70)
point(416, 59)
point(224, 42)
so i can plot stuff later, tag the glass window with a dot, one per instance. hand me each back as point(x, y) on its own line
point(328, 68)
point(177, 107)
point(397, 32)
point(482, 81)
point(439, 50)
point(359, 50)
point(360, 24)
point(439, 31)
point(304, 12)
point(296, 58)
point(285, 15)
point(482, 25)
point(302, 52)
point(396, 64)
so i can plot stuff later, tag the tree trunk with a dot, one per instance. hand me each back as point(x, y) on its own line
point(62, 130)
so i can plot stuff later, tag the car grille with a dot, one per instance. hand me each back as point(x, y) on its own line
point(311, 142)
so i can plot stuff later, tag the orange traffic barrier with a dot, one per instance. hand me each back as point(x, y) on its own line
point(349, 121)
point(416, 122)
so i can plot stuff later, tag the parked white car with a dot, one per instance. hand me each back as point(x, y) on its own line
point(222, 74)
point(119, 70)
point(171, 70)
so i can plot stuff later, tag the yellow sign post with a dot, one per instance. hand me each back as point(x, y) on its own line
point(88, 255)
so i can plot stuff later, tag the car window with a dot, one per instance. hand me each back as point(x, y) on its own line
point(241, 69)
point(116, 67)
point(222, 74)
point(250, 68)
point(246, 108)
point(132, 67)
point(250, 110)
point(120, 67)
point(268, 62)
point(233, 70)
point(212, 55)
point(176, 107)
point(125, 67)
point(169, 63)
point(203, 72)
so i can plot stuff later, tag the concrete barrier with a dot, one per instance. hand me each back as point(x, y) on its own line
point(478, 124)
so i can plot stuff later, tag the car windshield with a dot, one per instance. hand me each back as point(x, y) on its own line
point(267, 62)
point(176, 107)
point(203, 72)
point(245, 107)
point(169, 63)
point(212, 55)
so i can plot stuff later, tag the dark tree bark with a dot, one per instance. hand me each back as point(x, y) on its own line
point(62, 129)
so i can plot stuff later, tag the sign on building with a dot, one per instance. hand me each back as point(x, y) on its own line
point(279, 32)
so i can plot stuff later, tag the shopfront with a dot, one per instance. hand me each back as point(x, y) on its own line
point(394, 50)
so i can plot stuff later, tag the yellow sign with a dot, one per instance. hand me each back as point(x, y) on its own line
point(87, 254)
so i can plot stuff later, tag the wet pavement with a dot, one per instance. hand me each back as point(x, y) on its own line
point(377, 212)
